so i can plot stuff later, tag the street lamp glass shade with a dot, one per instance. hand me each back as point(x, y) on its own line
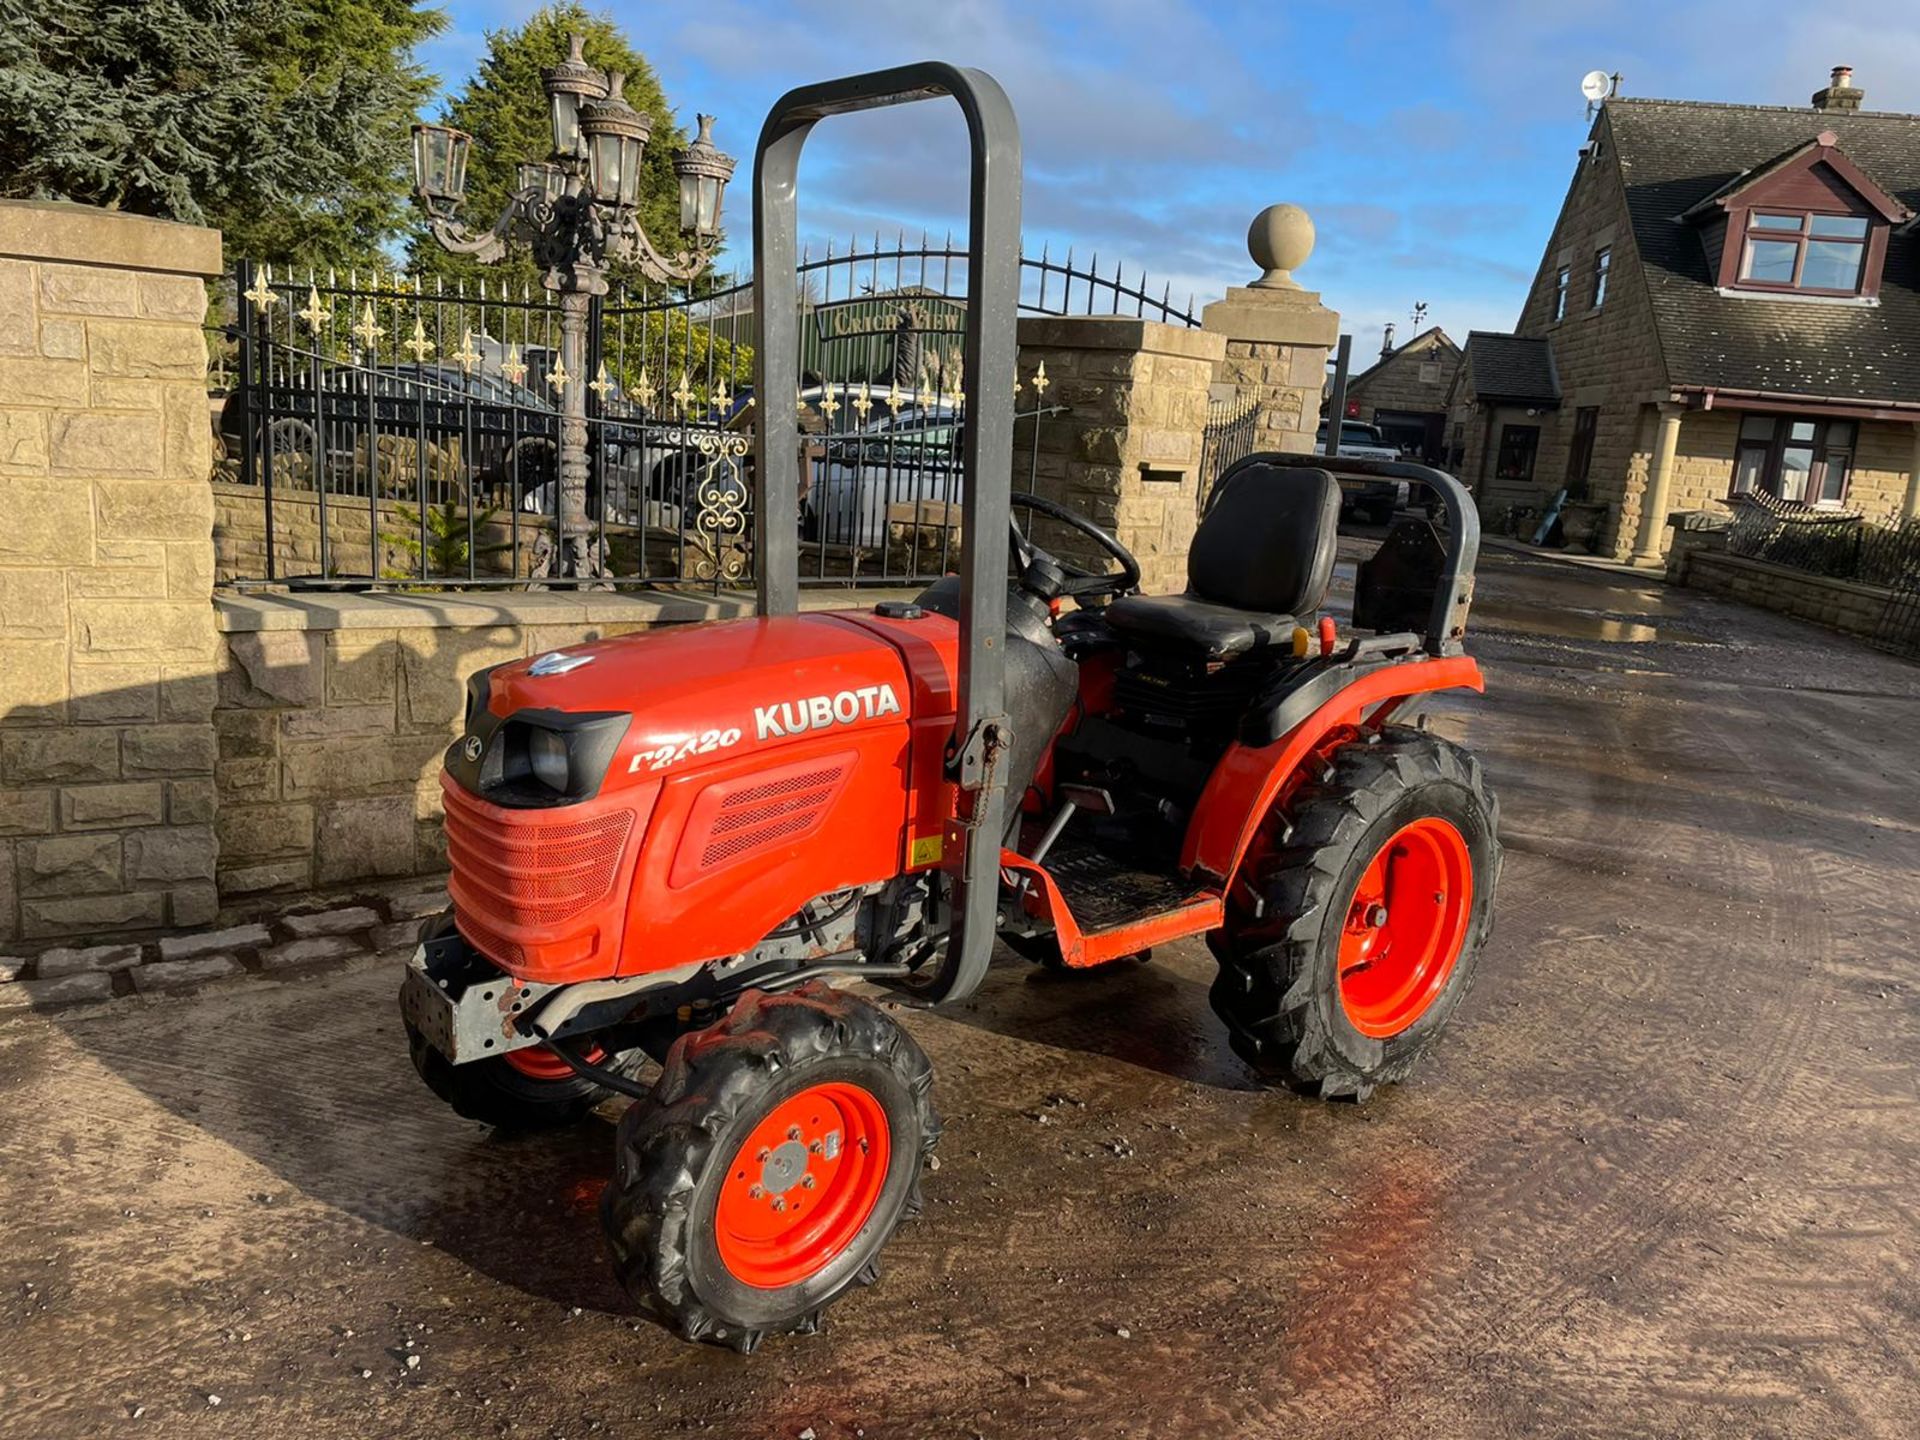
point(700, 205)
point(703, 173)
point(440, 165)
point(616, 136)
point(613, 167)
point(568, 85)
point(548, 181)
point(566, 123)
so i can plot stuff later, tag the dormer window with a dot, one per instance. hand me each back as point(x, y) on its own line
point(1819, 254)
point(1808, 224)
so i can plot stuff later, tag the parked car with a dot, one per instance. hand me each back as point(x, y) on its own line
point(1372, 501)
point(899, 468)
point(483, 433)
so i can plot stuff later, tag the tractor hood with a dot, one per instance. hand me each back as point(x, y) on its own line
point(721, 688)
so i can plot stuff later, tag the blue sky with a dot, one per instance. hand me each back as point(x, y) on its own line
point(1430, 139)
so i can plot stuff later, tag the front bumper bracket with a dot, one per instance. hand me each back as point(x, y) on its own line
point(460, 1002)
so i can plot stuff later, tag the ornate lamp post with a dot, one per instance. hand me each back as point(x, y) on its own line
point(576, 212)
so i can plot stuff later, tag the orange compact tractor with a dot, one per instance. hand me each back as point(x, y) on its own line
point(665, 845)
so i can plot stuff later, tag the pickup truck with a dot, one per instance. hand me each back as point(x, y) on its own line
point(1373, 501)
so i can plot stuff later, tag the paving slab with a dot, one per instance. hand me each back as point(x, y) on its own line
point(67, 960)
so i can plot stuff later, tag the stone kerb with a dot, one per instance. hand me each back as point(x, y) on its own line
point(106, 573)
point(1126, 450)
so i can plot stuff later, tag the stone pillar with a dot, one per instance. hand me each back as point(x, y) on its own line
point(106, 573)
point(1277, 334)
point(1126, 453)
point(1653, 504)
point(1910, 506)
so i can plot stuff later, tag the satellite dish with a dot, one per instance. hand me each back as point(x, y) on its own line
point(1594, 85)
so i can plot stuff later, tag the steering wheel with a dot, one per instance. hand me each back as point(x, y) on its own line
point(1049, 577)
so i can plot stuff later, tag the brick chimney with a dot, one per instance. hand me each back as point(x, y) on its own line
point(1840, 94)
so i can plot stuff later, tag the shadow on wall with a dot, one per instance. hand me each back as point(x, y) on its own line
point(146, 798)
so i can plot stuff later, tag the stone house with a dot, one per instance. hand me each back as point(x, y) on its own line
point(1729, 303)
point(1404, 393)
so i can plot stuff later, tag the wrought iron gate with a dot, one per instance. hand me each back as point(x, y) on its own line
point(1231, 434)
point(378, 431)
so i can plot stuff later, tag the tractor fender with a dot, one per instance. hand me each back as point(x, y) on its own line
point(1250, 778)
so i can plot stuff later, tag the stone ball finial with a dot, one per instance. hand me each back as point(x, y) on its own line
point(1280, 240)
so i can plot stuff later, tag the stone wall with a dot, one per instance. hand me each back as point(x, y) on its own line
point(334, 710)
point(1127, 452)
point(107, 643)
point(1698, 559)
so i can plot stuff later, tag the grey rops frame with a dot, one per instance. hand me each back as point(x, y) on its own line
point(993, 293)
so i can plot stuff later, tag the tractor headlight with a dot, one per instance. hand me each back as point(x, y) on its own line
point(540, 757)
point(547, 756)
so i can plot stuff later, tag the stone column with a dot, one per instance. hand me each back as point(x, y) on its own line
point(1653, 504)
point(1277, 333)
point(106, 573)
point(1910, 506)
point(1126, 453)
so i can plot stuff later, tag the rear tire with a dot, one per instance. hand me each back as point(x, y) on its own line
point(720, 1231)
point(533, 1094)
point(1315, 994)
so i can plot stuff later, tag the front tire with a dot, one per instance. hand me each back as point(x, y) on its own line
point(1376, 896)
point(778, 1153)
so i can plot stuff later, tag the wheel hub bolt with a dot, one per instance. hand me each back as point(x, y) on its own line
point(755, 1193)
point(806, 1182)
point(793, 1132)
point(779, 1202)
point(1376, 915)
point(814, 1148)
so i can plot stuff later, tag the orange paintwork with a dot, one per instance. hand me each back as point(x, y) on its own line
point(1198, 913)
point(1249, 778)
point(543, 892)
point(1405, 927)
point(849, 711)
point(772, 761)
point(803, 1185)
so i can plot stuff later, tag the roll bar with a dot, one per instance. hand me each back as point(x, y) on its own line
point(1447, 622)
point(982, 734)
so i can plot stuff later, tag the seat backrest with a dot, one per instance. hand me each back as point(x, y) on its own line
point(1267, 541)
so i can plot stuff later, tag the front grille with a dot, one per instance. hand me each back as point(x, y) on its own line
point(528, 867)
point(489, 941)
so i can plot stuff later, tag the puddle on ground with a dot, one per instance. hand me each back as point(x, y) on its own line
point(1575, 624)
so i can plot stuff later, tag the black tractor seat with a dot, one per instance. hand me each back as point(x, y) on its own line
point(1262, 557)
point(1221, 631)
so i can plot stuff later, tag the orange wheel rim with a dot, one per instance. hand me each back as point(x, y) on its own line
point(802, 1186)
point(1406, 927)
point(536, 1062)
